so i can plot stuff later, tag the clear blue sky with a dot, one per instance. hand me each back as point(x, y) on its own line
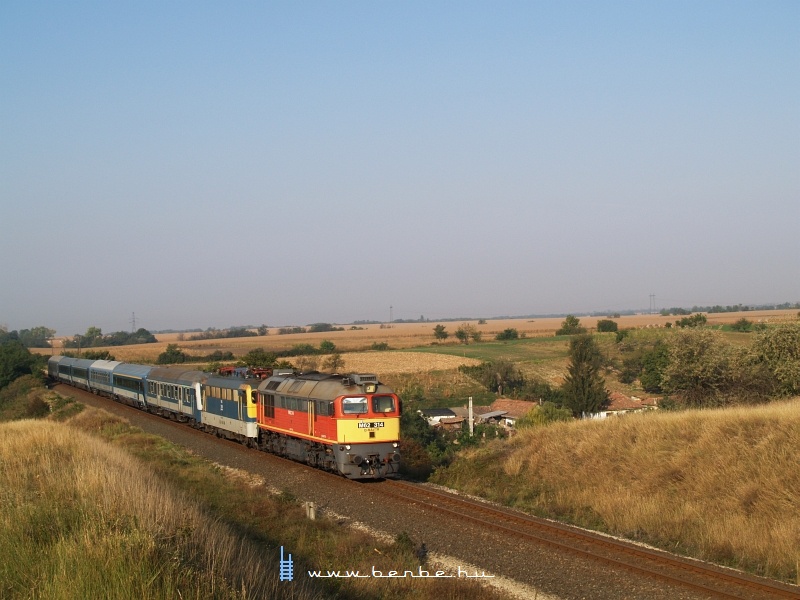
point(220, 163)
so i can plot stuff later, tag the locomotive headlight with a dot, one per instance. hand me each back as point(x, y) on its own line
point(370, 388)
point(395, 444)
point(347, 447)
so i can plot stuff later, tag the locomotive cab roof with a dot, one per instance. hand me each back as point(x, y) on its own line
point(323, 385)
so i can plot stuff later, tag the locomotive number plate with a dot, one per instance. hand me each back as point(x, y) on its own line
point(370, 425)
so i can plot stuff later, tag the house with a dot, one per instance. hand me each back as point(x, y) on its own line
point(511, 409)
point(434, 415)
point(621, 404)
point(477, 411)
point(452, 423)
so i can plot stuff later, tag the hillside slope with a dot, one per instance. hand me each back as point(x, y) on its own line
point(721, 485)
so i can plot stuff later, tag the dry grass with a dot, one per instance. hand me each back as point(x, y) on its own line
point(721, 485)
point(72, 503)
point(84, 518)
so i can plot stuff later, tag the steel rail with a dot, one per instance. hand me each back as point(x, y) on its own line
point(703, 577)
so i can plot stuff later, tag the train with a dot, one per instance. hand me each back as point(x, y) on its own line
point(344, 423)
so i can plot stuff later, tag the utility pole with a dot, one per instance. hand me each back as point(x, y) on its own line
point(652, 303)
point(133, 322)
point(471, 419)
point(391, 315)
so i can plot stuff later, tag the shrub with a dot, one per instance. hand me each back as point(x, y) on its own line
point(607, 325)
point(542, 415)
point(742, 325)
point(172, 355)
point(697, 320)
point(571, 326)
point(507, 334)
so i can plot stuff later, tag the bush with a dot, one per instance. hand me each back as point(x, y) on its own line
point(697, 320)
point(507, 334)
point(172, 355)
point(742, 325)
point(542, 415)
point(500, 376)
point(654, 362)
point(571, 326)
point(606, 325)
point(778, 349)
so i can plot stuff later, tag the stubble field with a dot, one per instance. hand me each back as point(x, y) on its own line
point(357, 342)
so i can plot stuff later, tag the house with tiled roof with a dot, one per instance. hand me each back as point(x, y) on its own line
point(477, 411)
point(508, 410)
point(621, 404)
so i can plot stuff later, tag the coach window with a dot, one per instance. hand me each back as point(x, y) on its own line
point(354, 406)
point(382, 404)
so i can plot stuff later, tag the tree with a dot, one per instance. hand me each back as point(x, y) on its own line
point(606, 325)
point(698, 366)
point(548, 412)
point(334, 363)
point(507, 334)
point(93, 333)
point(38, 337)
point(571, 325)
point(584, 387)
point(778, 348)
point(326, 347)
point(500, 376)
point(697, 320)
point(654, 361)
point(15, 361)
point(743, 325)
point(259, 358)
point(172, 355)
point(465, 332)
point(439, 333)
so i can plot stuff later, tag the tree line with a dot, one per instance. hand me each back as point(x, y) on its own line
point(693, 366)
point(94, 338)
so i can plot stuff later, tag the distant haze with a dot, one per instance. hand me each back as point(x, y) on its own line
point(213, 164)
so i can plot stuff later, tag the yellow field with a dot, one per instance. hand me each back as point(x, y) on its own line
point(399, 336)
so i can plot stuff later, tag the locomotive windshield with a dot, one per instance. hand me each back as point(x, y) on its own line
point(354, 406)
point(382, 404)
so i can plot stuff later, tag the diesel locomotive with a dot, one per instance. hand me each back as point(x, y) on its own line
point(348, 424)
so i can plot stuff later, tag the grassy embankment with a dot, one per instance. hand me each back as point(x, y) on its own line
point(118, 513)
point(721, 485)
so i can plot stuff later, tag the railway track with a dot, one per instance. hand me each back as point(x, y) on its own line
point(701, 578)
point(705, 578)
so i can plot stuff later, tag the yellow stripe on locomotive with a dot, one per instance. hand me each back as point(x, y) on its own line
point(370, 430)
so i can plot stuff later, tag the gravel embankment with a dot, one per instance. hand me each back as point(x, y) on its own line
point(540, 572)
